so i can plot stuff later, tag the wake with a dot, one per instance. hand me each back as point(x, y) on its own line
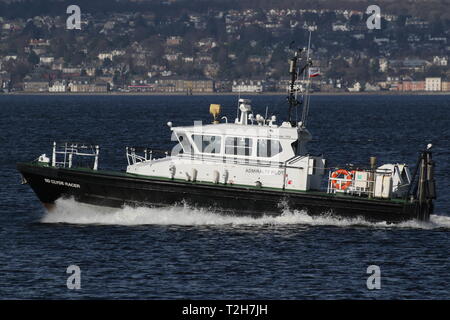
point(71, 212)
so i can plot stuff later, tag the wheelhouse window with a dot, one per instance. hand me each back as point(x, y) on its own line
point(238, 146)
point(268, 148)
point(207, 144)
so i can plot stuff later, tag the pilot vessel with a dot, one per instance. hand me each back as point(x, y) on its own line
point(251, 166)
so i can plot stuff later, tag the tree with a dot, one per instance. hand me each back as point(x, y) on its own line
point(33, 58)
point(98, 72)
point(107, 63)
point(17, 69)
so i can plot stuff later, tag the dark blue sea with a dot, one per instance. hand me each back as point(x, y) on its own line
point(180, 253)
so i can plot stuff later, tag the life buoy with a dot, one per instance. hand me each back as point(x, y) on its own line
point(337, 183)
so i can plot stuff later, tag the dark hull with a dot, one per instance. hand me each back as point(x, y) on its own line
point(117, 189)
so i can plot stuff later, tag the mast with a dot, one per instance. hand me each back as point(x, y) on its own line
point(292, 98)
point(293, 102)
point(305, 97)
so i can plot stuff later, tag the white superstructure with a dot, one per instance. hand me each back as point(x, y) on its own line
point(252, 151)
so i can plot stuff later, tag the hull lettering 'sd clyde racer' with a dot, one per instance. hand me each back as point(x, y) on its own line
point(252, 166)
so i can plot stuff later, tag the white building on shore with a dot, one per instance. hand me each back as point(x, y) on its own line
point(356, 87)
point(251, 86)
point(58, 86)
point(433, 84)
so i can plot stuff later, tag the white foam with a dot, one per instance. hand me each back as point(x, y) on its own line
point(72, 212)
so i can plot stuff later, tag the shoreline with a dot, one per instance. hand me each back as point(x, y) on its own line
point(372, 93)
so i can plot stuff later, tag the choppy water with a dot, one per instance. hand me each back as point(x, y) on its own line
point(178, 252)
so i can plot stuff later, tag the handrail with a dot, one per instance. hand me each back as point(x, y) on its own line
point(133, 158)
point(69, 150)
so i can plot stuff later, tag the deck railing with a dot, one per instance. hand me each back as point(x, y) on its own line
point(354, 185)
point(63, 154)
point(141, 154)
